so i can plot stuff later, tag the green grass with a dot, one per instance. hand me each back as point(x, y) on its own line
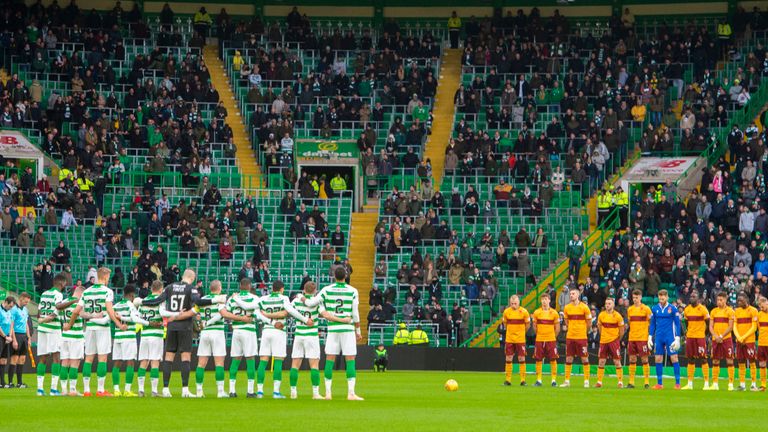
point(395, 401)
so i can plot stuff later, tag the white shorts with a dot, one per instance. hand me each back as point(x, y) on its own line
point(343, 343)
point(72, 349)
point(307, 347)
point(124, 349)
point(245, 343)
point(212, 343)
point(48, 343)
point(273, 343)
point(151, 348)
point(98, 341)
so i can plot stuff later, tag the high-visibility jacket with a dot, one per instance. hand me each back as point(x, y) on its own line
point(724, 31)
point(657, 195)
point(622, 199)
point(64, 173)
point(338, 184)
point(315, 186)
point(202, 18)
point(454, 23)
point(419, 337)
point(84, 184)
point(402, 337)
point(605, 201)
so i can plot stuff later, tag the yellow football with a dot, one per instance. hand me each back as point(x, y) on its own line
point(451, 385)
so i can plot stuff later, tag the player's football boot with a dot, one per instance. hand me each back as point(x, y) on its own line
point(598, 385)
point(688, 386)
point(250, 395)
point(630, 386)
point(762, 389)
point(21, 386)
point(222, 395)
point(658, 387)
point(166, 393)
point(677, 386)
point(141, 393)
point(328, 396)
point(523, 384)
point(259, 395)
point(621, 385)
point(565, 384)
point(646, 386)
point(741, 388)
point(40, 392)
point(554, 383)
point(537, 384)
point(117, 393)
point(155, 394)
point(277, 396)
point(74, 394)
point(54, 392)
point(730, 387)
point(317, 397)
point(232, 394)
point(103, 394)
point(188, 395)
point(714, 387)
point(129, 394)
point(200, 395)
point(87, 394)
point(586, 384)
point(706, 386)
point(354, 397)
point(753, 387)
point(507, 383)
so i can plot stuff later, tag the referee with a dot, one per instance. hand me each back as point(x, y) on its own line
point(177, 304)
point(21, 331)
point(454, 28)
point(6, 336)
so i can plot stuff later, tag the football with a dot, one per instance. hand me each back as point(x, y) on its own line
point(451, 385)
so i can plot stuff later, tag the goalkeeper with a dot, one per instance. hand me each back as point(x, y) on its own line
point(664, 333)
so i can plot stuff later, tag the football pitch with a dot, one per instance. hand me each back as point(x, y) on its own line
point(396, 401)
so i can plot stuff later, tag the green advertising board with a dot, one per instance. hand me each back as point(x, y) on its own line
point(317, 149)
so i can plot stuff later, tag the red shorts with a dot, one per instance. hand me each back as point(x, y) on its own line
point(696, 348)
point(746, 351)
point(762, 354)
point(610, 350)
point(576, 348)
point(545, 350)
point(514, 349)
point(722, 350)
point(637, 348)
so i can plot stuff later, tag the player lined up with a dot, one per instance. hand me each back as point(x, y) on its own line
point(657, 329)
point(80, 327)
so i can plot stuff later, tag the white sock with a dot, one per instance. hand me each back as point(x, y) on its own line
point(293, 389)
point(351, 386)
point(100, 384)
point(232, 385)
point(86, 383)
point(128, 387)
point(55, 382)
point(199, 388)
point(220, 386)
point(250, 386)
point(328, 385)
point(184, 390)
point(153, 382)
point(64, 386)
point(315, 390)
point(40, 382)
point(117, 388)
point(140, 382)
point(276, 387)
point(73, 386)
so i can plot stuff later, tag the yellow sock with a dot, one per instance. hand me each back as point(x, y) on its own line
point(620, 373)
point(752, 373)
point(632, 372)
point(742, 373)
point(522, 371)
point(763, 372)
point(508, 371)
point(600, 373)
point(553, 369)
point(568, 367)
point(705, 371)
point(538, 371)
point(586, 371)
point(646, 373)
point(715, 374)
point(691, 371)
point(731, 371)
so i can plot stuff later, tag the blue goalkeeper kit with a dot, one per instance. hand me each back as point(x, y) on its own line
point(665, 327)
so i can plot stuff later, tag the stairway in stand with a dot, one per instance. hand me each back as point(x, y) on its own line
point(362, 256)
point(442, 111)
point(246, 159)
